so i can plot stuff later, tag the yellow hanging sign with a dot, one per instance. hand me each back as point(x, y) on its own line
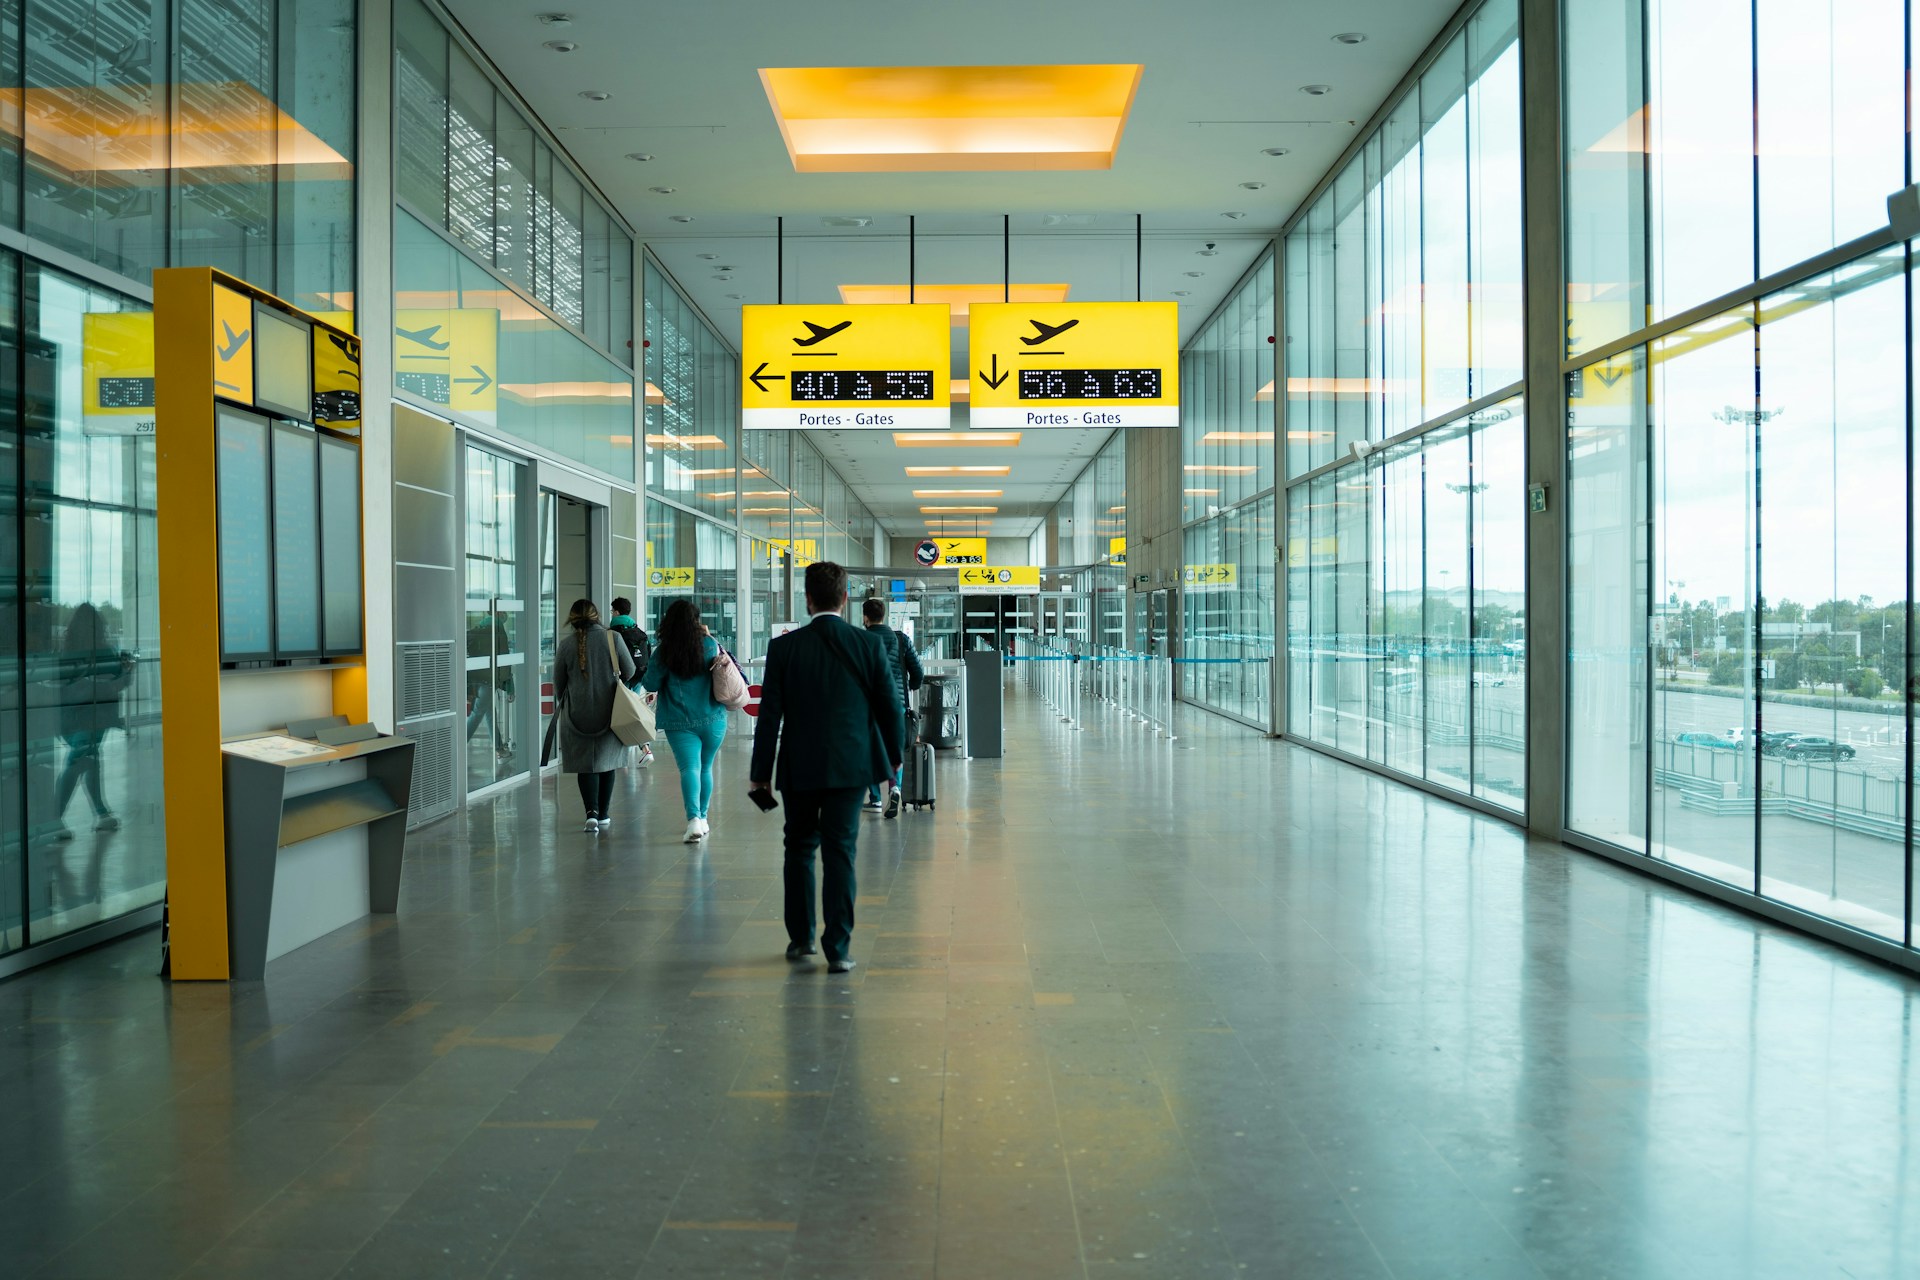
point(1117, 551)
point(989, 579)
point(450, 357)
point(843, 367)
point(1074, 364)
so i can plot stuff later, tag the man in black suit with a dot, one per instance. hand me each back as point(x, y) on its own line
point(831, 686)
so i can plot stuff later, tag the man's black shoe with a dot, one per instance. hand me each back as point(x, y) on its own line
point(800, 950)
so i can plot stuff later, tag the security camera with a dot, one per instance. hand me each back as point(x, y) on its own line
point(1210, 244)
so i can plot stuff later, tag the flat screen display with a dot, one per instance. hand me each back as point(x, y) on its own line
point(296, 543)
point(340, 621)
point(246, 563)
point(282, 363)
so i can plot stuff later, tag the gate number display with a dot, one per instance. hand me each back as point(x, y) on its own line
point(862, 384)
point(1089, 384)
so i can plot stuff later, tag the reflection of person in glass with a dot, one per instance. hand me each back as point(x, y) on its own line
point(92, 675)
point(483, 642)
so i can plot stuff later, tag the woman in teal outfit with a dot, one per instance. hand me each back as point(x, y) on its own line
point(685, 713)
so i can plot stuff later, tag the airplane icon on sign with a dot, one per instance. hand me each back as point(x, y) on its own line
point(424, 337)
point(235, 341)
point(820, 333)
point(1048, 332)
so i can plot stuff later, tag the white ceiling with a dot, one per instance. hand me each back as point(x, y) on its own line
point(1221, 83)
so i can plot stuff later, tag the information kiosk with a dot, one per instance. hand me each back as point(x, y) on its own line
point(286, 810)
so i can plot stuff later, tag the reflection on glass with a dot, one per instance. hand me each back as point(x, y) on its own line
point(496, 744)
point(90, 767)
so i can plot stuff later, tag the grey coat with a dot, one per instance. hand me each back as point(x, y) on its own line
point(584, 701)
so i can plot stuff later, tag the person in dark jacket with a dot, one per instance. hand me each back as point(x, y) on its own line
point(639, 648)
point(907, 676)
point(93, 675)
point(830, 725)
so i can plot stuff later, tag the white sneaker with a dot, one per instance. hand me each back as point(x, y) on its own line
point(693, 832)
point(592, 826)
point(705, 830)
point(646, 756)
point(606, 824)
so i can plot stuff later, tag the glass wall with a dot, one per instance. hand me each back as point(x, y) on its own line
point(691, 558)
point(81, 796)
point(1226, 400)
point(1682, 187)
point(1406, 577)
point(693, 403)
point(1226, 650)
point(482, 354)
point(497, 620)
point(469, 162)
point(216, 133)
point(1403, 281)
point(1740, 555)
point(1406, 586)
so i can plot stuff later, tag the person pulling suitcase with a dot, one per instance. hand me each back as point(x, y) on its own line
point(907, 676)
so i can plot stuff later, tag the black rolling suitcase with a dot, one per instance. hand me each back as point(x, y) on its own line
point(916, 777)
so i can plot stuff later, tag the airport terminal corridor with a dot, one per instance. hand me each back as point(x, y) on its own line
point(1126, 1007)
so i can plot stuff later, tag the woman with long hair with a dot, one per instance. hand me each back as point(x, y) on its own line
point(587, 663)
point(685, 712)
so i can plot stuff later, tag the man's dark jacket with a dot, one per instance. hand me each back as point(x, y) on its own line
point(832, 726)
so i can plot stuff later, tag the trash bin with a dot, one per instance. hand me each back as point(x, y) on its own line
point(940, 711)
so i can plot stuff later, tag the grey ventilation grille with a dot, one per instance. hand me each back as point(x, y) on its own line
point(435, 762)
point(430, 717)
point(426, 680)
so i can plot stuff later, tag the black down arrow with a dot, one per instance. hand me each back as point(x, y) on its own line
point(998, 377)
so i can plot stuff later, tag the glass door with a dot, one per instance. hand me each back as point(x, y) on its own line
point(496, 739)
point(566, 575)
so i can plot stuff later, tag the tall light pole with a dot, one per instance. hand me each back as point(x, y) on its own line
point(1753, 420)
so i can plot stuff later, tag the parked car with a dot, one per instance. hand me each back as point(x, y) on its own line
point(1488, 679)
point(1805, 746)
point(1771, 741)
point(1716, 741)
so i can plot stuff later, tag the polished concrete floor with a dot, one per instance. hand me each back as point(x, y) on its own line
point(1214, 1008)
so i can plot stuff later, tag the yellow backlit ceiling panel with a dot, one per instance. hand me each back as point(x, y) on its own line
point(87, 129)
point(958, 297)
point(947, 119)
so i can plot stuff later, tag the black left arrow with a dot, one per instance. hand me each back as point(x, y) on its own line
point(998, 377)
point(760, 377)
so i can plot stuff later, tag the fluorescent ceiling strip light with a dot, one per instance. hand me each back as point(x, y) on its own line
point(959, 493)
point(954, 439)
point(959, 471)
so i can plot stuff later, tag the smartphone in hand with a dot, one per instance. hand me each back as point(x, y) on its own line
point(764, 799)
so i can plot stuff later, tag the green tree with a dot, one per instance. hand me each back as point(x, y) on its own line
point(1729, 669)
point(1789, 672)
point(1865, 682)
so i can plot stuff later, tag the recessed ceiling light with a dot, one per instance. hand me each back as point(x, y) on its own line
point(556, 19)
point(726, 268)
point(641, 156)
point(561, 46)
point(1208, 252)
point(846, 222)
point(1350, 37)
point(724, 279)
point(1251, 186)
point(736, 296)
point(706, 257)
point(1195, 274)
point(663, 191)
point(595, 95)
point(1274, 151)
point(1182, 293)
point(1316, 90)
point(1236, 216)
point(681, 217)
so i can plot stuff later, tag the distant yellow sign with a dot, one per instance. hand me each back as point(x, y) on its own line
point(1324, 550)
point(986, 579)
point(232, 345)
point(675, 579)
point(116, 364)
point(1117, 551)
point(1201, 576)
point(450, 357)
point(1074, 364)
point(803, 550)
point(961, 551)
point(841, 367)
